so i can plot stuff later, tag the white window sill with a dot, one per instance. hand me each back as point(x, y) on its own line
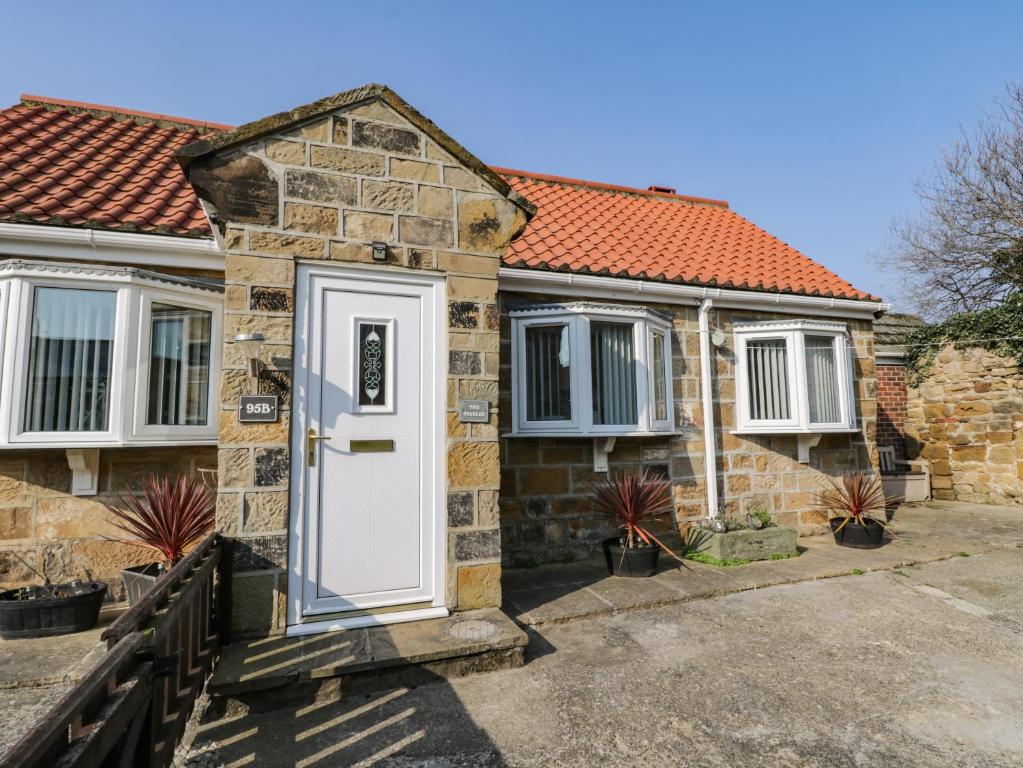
point(592, 435)
point(64, 444)
point(794, 431)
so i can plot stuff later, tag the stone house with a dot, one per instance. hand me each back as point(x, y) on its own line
point(451, 353)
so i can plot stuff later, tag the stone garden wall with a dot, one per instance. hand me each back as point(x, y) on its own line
point(70, 537)
point(966, 418)
point(546, 502)
point(325, 191)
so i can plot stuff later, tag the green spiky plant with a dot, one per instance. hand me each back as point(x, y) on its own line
point(170, 516)
point(634, 501)
point(858, 498)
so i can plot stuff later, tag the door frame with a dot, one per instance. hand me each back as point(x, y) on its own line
point(432, 446)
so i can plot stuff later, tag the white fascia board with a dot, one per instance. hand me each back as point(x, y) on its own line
point(41, 241)
point(622, 289)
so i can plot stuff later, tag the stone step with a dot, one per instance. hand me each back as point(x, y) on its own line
point(268, 673)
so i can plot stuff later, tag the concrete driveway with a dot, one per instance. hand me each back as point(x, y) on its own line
point(919, 666)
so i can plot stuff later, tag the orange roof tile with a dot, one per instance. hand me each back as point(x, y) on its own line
point(605, 229)
point(86, 165)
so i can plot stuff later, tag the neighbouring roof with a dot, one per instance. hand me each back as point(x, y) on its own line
point(69, 163)
point(605, 229)
point(891, 331)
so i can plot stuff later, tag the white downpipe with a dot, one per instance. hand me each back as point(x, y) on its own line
point(707, 392)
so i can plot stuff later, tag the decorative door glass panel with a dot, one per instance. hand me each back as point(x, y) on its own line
point(69, 358)
point(372, 376)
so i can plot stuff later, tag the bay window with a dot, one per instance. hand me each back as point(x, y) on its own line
point(96, 356)
point(585, 369)
point(794, 377)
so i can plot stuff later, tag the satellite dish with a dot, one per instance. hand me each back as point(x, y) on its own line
point(718, 338)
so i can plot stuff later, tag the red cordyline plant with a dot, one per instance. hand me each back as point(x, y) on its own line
point(170, 516)
point(857, 498)
point(634, 500)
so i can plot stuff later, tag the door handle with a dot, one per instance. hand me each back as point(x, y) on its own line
point(311, 438)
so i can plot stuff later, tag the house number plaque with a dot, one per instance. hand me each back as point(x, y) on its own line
point(257, 409)
point(474, 411)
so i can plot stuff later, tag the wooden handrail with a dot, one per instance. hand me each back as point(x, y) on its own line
point(52, 729)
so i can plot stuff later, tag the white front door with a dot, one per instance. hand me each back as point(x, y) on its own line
point(368, 447)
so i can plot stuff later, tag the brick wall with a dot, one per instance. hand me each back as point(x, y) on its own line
point(966, 419)
point(891, 407)
point(546, 502)
point(333, 185)
point(70, 537)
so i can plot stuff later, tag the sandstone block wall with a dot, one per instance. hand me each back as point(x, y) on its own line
point(44, 527)
point(966, 418)
point(892, 407)
point(331, 187)
point(546, 501)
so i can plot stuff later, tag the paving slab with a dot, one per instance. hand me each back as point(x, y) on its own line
point(865, 671)
point(919, 534)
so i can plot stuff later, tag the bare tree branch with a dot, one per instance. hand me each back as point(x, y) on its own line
point(965, 251)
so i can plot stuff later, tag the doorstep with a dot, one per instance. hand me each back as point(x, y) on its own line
point(371, 658)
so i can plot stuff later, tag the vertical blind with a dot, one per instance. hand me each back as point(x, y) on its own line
point(613, 367)
point(179, 366)
point(548, 374)
point(660, 375)
point(767, 362)
point(822, 380)
point(69, 359)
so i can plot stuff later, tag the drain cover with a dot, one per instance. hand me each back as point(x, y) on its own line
point(472, 629)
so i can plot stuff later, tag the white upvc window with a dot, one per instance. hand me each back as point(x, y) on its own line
point(98, 356)
point(586, 369)
point(794, 377)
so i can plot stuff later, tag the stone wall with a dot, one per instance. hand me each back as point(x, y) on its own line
point(44, 527)
point(546, 502)
point(966, 418)
point(339, 182)
point(891, 407)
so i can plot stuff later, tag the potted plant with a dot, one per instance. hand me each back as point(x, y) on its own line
point(855, 508)
point(633, 500)
point(758, 518)
point(169, 517)
point(50, 609)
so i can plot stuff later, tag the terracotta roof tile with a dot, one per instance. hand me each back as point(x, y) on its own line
point(86, 165)
point(605, 229)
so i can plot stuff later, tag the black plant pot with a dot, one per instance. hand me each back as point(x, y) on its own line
point(139, 579)
point(870, 535)
point(45, 616)
point(637, 561)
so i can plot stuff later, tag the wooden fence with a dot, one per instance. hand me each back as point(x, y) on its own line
point(132, 708)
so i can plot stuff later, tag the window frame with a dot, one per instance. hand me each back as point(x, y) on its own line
point(794, 334)
point(147, 296)
point(129, 370)
point(579, 317)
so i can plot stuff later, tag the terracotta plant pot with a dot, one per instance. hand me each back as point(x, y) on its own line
point(867, 536)
point(637, 562)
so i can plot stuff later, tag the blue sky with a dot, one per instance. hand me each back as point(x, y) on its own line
point(812, 119)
